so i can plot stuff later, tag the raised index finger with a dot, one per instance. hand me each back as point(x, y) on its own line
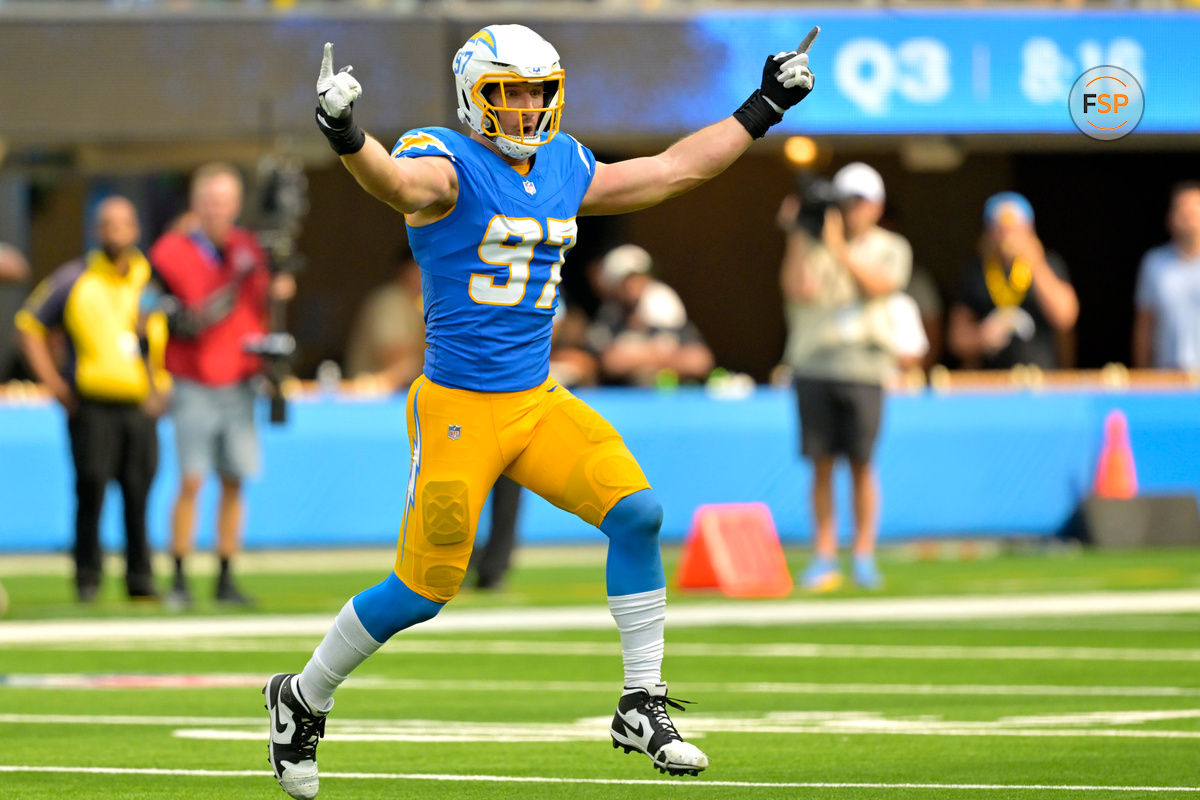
point(327, 60)
point(809, 39)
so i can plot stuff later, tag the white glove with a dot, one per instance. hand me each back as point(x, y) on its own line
point(793, 70)
point(786, 77)
point(336, 91)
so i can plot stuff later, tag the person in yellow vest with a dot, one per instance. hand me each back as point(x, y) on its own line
point(110, 382)
point(1014, 304)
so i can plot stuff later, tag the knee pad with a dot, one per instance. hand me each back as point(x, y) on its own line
point(638, 515)
point(390, 606)
point(434, 561)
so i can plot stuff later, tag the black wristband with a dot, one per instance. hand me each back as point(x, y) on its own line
point(344, 135)
point(757, 115)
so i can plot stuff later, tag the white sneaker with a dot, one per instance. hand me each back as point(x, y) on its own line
point(641, 724)
point(295, 731)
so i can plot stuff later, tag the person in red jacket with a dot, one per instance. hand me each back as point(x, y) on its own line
point(217, 289)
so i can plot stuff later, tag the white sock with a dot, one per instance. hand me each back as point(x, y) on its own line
point(640, 619)
point(345, 647)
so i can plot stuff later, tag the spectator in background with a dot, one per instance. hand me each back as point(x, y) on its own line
point(837, 292)
point(642, 332)
point(387, 340)
point(571, 362)
point(108, 386)
point(1015, 304)
point(218, 287)
point(14, 273)
point(491, 560)
point(1166, 332)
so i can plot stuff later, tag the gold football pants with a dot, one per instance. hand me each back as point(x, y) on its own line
point(545, 438)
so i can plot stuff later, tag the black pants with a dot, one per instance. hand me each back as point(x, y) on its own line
point(491, 562)
point(112, 441)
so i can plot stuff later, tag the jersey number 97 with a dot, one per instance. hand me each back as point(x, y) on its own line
point(512, 242)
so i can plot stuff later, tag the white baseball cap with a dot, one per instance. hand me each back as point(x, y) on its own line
point(858, 180)
point(623, 261)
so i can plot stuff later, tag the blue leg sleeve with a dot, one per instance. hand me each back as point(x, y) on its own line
point(389, 607)
point(634, 562)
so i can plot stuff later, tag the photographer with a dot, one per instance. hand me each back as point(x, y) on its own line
point(218, 290)
point(839, 275)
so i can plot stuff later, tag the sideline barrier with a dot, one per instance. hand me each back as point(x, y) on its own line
point(952, 461)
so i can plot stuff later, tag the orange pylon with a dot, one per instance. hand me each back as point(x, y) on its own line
point(734, 549)
point(1116, 476)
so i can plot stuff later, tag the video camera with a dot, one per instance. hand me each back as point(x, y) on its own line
point(281, 203)
point(816, 195)
point(276, 350)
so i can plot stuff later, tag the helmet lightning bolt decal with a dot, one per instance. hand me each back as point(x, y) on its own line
point(485, 37)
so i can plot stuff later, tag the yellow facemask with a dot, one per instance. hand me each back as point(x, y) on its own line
point(547, 124)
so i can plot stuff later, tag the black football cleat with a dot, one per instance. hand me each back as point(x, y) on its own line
point(642, 725)
point(295, 731)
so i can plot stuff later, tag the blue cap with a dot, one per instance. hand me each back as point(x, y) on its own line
point(996, 205)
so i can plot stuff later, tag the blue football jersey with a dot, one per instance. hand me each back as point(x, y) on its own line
point(490, 268)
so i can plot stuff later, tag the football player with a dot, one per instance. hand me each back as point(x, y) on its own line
point(491, 214)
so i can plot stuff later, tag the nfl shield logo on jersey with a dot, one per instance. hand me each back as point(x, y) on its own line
point(529, 187)
point(454, 432)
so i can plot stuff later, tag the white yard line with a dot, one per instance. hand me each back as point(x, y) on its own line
point(334, 559)
point(411, 645)
point(714, 614)
point(1107, 724)
point(674, 784)
point(506, 734)
point(1138, 622)
point(227, 680)
point(139, 719)
point(58, 565)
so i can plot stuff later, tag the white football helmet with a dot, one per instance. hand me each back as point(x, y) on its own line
point(507, 53)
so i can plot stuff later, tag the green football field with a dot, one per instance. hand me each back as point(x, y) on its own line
point(988, 674)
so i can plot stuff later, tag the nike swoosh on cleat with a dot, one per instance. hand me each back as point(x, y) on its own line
point(285, 726)
point(638, 734)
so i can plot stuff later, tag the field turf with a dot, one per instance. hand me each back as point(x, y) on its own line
point(998, 705)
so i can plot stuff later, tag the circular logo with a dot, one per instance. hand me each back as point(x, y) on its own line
point(1106, 103)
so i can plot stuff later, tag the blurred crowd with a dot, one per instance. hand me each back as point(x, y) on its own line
point(1012, 304)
